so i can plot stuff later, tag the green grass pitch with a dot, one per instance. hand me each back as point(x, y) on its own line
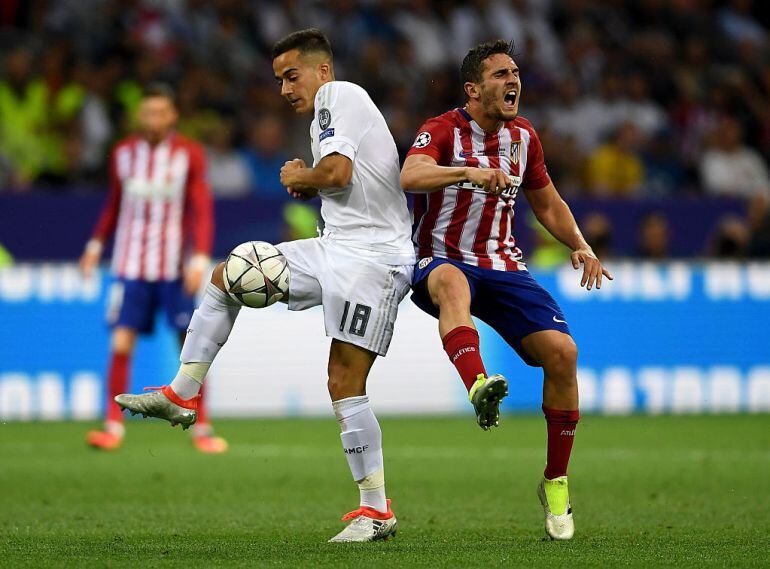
point(646, 491)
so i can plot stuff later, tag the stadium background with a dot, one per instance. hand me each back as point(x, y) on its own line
point(654, 116)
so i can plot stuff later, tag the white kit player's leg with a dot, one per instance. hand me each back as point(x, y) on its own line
point(362, 443)
point(208, 331)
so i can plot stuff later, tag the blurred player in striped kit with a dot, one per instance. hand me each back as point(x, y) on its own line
point(159, 210)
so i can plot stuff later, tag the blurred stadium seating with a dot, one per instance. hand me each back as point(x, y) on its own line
point(645, 100)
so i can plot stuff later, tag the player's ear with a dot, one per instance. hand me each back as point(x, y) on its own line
point(325, 72)
point(472, 90)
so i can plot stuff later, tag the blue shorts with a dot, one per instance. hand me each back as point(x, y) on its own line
point(133, 304)
point(511, 302)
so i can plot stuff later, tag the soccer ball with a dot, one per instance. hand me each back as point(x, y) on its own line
point(256, 274)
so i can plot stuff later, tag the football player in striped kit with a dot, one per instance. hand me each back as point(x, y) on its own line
point(466, 167)
point(160, 213)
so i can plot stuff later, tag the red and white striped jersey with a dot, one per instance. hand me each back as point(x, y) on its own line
point(464, 223)
point(160, 203)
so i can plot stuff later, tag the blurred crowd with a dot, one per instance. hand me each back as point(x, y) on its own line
point(651, 98)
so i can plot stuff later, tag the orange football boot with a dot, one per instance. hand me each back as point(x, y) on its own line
point(103, 440)
point(204, 440)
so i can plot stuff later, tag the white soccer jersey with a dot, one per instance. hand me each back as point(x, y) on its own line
point(370, 214)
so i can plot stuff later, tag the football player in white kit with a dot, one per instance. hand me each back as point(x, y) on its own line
point(359, 270)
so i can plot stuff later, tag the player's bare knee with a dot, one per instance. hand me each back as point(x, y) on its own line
point(342, 385)
point(561, 360)
point(122, 341)
point(218, 276)
point(345, 379)
point(448, 287)
point(335, 387)
point(336, 381)
point(122, 349)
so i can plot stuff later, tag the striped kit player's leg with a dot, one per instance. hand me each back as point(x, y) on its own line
point(446, 292)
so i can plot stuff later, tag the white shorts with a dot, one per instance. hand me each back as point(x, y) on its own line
point(360, 297)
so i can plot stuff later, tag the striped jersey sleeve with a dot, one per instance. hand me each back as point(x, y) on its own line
point(435, 139)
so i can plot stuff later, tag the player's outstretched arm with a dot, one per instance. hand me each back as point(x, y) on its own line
point(333, 171)
point(421, 174)
point(554, 214)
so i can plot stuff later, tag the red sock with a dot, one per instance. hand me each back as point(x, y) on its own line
point(203, 416)
point(561, 435)
point(462, 347)
point(117, 382)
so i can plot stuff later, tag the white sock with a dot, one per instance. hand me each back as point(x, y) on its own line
point(372, 491)
point(185, 386)
point(115, 428)
point(209, 329)
point(362, 442)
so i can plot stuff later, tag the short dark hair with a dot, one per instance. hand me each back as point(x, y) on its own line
point(306, 41)
point(473, 63)
point(158, 89)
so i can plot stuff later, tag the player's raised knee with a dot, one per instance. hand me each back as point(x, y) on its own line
point(217, 276)
point(448, 284)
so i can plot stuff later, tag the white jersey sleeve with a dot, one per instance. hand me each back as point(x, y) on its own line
point(370, 214)
point(344, 117)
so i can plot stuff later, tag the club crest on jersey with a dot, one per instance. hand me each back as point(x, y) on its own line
point(324, 118)
point(515, 148)
point(424, 262)
point(422, 140)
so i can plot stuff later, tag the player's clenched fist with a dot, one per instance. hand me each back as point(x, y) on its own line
point(288, 169)
point(493, 180)
point(289, 179)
